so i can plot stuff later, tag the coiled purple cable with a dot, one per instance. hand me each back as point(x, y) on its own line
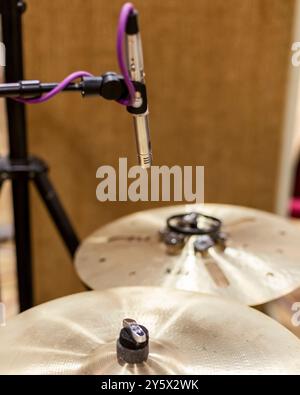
point(124, 14)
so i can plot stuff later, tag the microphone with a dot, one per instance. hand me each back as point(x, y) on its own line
point(139, 108)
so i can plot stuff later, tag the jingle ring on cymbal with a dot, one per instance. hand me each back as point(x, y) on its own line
point(191, 228)
point(189, 333)
point(255, 259)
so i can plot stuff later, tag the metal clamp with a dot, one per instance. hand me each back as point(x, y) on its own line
point(13, 169)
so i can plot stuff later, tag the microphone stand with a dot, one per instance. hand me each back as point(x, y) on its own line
point(20, 167)
point(11, 11)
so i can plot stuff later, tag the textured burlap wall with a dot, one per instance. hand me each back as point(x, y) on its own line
point(217, 73)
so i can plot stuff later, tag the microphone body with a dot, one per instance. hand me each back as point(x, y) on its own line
point(139, 108)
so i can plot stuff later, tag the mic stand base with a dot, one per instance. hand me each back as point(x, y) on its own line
point(20, 172)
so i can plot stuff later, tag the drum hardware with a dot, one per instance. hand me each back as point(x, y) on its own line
point(133, 343)
point(180, 227)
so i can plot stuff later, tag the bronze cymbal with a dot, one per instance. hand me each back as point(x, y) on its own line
point(190, 333)
point(261, 261)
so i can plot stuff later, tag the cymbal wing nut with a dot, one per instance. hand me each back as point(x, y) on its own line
point(133, 343)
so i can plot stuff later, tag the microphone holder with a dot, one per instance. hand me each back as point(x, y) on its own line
point(110, 86)
point(19, 166)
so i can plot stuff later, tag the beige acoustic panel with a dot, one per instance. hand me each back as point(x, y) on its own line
point(216, 74)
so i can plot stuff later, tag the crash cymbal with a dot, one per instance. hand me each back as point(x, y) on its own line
point(261, 261)
point(190, 333)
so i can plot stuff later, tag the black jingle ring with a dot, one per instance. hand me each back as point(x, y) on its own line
point(190, 230)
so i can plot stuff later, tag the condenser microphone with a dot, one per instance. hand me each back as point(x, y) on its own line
point(139, 107)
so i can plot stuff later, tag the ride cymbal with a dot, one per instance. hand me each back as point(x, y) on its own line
point(189, 333)
point(256, 261)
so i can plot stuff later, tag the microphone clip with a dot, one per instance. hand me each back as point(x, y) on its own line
point(141, 106)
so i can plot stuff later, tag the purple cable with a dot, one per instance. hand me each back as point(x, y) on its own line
point(57, 89)
point(125, 12)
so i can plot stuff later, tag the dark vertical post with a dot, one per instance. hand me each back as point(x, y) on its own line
point(11, 11)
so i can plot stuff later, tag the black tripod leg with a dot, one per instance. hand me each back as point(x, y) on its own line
point(20, 189)
point(12, 38)
point(57, 212)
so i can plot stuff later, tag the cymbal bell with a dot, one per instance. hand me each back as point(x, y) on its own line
point(190, 333)
point(260, 261)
